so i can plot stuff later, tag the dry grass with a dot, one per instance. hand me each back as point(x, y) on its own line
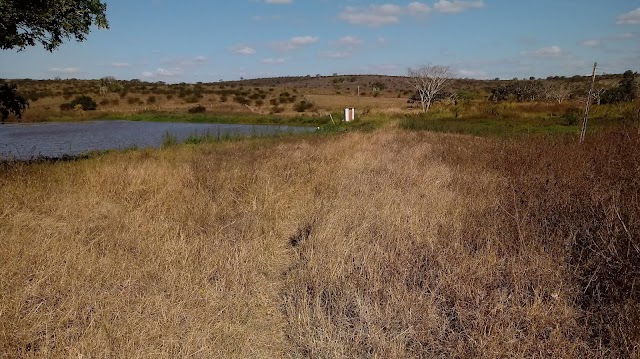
point(338, 102)
point(388, 244)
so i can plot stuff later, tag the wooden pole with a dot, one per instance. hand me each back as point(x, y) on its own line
point(586, 111)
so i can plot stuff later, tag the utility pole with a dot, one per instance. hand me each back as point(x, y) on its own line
point(586, 111)
point(358, 96)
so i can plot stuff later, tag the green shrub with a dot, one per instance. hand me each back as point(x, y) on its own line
point(241, 100)
point(303, 106)
point(571, 117)
point(169, 140)
point(197, 109)
point(86, 102)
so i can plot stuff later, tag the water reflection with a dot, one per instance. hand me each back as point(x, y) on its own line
point(28, 141)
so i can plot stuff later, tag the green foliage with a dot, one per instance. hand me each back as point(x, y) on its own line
point(625, 91)
point(379, 85)
point(303, 106)
point(241, 100)
point(66, 107)
point(11, 101)
point(27, 22)
point(571, 117)
point(169, 140)
point(277, 109)
point(86, 102)
point(520, 91)
point(487, 127)
point(197, 109)
point(109, 84)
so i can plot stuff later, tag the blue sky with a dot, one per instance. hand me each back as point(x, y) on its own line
point(200, 40)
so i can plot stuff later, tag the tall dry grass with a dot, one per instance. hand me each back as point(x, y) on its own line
point(387, 244)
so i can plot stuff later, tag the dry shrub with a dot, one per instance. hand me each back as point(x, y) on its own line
point(585, 199)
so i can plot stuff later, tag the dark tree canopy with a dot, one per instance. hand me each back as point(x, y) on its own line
point(11, 101)
point(23, 23)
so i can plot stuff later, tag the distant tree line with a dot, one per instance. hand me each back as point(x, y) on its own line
point(559, 90)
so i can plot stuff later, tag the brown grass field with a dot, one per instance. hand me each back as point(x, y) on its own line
point(388, 244)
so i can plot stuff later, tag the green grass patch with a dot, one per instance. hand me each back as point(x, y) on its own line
point(499, 127)
point(220, 118)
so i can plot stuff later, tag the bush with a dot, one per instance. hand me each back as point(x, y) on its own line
point(85, 102)
point(192, 99)
point(242, 100)
point(66, 107)
point(303, 106)
point(198, 109)
point(151, 100)
point(571, 117)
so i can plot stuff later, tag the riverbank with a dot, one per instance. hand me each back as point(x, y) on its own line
point(389, 243)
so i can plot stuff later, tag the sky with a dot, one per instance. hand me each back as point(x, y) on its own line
point(208, 41)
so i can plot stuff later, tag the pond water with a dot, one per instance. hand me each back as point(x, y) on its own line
point(57, 139)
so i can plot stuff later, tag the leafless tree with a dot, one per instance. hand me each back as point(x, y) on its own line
point(428, 81)
point(597, 93)
point(559, 93)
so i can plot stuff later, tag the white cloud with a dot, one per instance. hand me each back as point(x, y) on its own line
point(65, 70)
point(295, 43)
point(278, 1)
point(336, 54)
point(350, 41)
point(545, 52)
point(472, 73)
point(592, 43)
point(389, 14)
point(457, 6)
point(625, 36)
point(120, 65)
point(243, 50)
point(162, 72)
point(630, 18)
point(180, 62)
point(418, 8)
point(278, 61)
point(374, 15)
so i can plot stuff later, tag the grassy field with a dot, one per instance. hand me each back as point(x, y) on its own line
point(482, 229)
point(388, 244)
